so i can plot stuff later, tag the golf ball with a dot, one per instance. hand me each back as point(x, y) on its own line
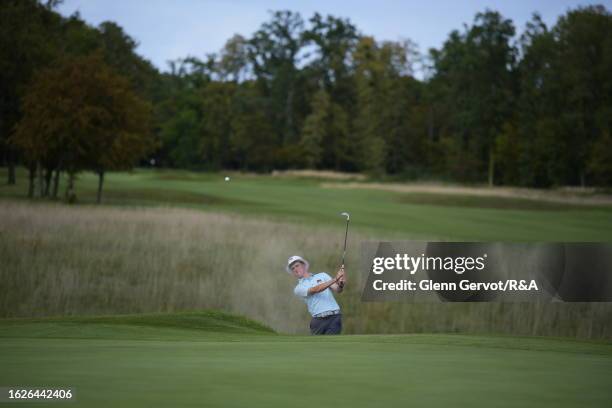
point(227, 178)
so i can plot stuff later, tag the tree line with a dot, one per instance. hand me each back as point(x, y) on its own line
point(73, 97)
point(531, 109)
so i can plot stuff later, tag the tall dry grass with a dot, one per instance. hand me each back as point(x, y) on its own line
point(59, 260)
point(65, 260)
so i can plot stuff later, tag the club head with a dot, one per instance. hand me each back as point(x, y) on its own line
point(348, 217)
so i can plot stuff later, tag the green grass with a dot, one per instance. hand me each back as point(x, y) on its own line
point(208, 321)
point(67, 262)
point(213, 360)
point(401, 215)
point(499, 203)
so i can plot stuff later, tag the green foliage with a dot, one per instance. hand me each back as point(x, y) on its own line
point(474, 79)
point(317, 93)
point(234, 59)
point(180, 136)
point(119, 51)
point(325, 133)
point(218, 99)
point(273, 53)
point(84, 116)
point(564, 98)
point(600, 164)
point(507, 150)
point(253, 139)
point(28, 41)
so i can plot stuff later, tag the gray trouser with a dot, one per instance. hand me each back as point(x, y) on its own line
point(326, 325)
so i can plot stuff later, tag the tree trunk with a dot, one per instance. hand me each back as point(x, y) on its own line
point(56, 182)
point(41, 179)
point(12, 180)
point(491, 166)
point(100, 183)
point(70, 195)
point(32, 178)
point(48, 174)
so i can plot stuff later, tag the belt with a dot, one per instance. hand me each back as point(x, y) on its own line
point(329, 313)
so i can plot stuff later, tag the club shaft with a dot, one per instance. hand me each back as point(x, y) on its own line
point(345, 238)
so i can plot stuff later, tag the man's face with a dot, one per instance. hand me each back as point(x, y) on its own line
point(298, 269)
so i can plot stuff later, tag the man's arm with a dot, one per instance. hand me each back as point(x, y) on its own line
point(322, 286)
point(332, 283)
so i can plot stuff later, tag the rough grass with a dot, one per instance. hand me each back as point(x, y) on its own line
point(574, 195)
point(320, 174)
point(62, 260)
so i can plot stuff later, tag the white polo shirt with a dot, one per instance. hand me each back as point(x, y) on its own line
point(319, 302)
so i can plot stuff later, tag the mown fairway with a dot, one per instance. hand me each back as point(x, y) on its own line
point(394, 214)
point(204, 359)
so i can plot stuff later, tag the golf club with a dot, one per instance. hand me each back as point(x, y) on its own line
point(348, 217)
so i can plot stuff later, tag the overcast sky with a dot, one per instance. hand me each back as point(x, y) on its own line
point(167, 30)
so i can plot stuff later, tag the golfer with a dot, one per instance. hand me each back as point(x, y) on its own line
point(316, 293)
